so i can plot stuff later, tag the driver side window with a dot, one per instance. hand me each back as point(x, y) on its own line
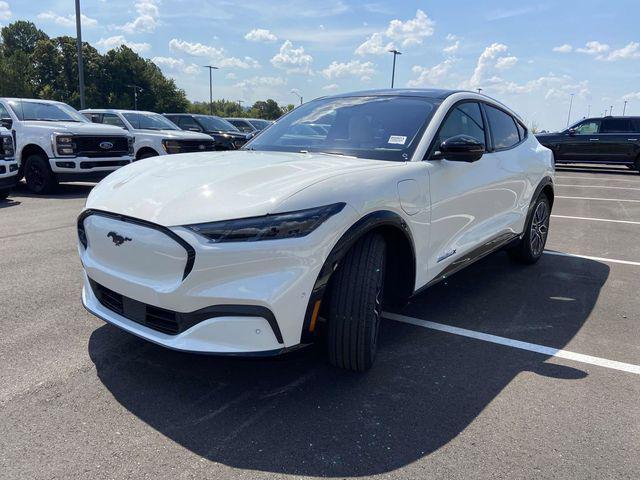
point(464, 119)
point(588, 128)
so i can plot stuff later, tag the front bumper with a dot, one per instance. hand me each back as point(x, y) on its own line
point(72, 168)
point(8, 174)
point(247, 298)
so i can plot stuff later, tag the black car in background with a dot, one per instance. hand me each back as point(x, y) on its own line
point(608, 140)
point(249, 125)
point(226, 136)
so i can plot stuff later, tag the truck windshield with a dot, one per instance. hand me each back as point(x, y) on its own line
point(213, 124)
point(149, 121)
point(375, 127)
point(47, 112)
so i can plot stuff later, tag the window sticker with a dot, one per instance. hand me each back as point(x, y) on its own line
point(397, 139)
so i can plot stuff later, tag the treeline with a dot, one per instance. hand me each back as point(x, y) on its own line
point(33, 65)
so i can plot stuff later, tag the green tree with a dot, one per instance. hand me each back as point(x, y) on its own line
point(269, 110)
point(22, 36)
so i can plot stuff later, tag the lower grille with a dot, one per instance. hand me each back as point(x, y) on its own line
point(110, 163)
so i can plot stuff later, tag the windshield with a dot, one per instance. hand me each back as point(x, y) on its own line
point(260, 124)
point(377, 127)
point(216, 123)
point(149, 121)
point(49, 112)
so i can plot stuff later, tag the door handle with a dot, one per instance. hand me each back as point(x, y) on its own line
point(594, 139)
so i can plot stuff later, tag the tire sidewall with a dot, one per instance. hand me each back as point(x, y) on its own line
point(49, 181)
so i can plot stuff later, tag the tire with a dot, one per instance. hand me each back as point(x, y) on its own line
point(147, 154)
point(355, 304)
point(38, 175)
point(4, 194)
point(636, 165)
point(531, 247)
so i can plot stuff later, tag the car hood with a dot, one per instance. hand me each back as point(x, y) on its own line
point(76, 128)
point(211, 186)
point(171, 134)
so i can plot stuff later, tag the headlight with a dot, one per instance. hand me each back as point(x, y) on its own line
point(171, 146)
point(64, 145)
point(7, 147)
point(269, 227)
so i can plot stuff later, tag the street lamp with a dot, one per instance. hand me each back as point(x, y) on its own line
point(297, 93)
point(136, 89)
point(393, 72)
point(479, 90)
point(211, 68)
point(79, 46)
point(624, 109)
point(570, 105)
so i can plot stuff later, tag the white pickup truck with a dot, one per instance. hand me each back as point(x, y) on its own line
point(154, 134)
point(55, 143)
point(8, 164)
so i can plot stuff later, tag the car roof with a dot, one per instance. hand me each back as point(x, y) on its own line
point(112, 110)
point(437, 93)
point(608, 117)
point(8, 99)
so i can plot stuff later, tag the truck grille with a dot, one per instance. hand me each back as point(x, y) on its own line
point(90, 146)
point(188, 146)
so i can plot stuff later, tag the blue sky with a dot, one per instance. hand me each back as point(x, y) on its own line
point(532, 56)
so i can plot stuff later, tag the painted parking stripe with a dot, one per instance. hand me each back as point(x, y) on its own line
point(596, 219)
point(597, 178)
point(597, 186)
point(603, 199)
point(531, 347)
point(588, 257)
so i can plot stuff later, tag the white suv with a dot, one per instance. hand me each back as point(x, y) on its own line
point(54, 143)
point(8, 164)
point(154, 134)
point(258, 251)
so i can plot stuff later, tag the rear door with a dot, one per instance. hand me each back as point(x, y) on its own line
point(617, 141)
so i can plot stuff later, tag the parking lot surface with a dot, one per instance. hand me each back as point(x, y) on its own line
point(503, 371)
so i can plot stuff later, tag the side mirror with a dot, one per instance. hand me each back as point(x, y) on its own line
point(462, 148)
point(6, 123)
point(571, 132)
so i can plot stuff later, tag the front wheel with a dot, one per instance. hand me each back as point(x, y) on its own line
point(355, 305)
point(4, 194)
point(38, 175)
point(531, 247)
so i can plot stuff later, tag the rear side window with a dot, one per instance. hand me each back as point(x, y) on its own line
point(503, 127)
point(616, 125)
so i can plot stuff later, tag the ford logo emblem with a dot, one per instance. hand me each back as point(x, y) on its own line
point(106, 145)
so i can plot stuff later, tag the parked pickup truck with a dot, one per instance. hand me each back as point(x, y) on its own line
point(55, 143)
point(608, 140)
point(8, 164)
point(154, 134)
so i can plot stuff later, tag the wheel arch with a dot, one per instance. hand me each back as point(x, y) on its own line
point(400, 265)
point(28, 150)
point(146, 149)
point(545, 186)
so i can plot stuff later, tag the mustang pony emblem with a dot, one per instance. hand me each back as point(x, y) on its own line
point(118, 239)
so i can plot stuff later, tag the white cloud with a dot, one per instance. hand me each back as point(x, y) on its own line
point(632, 50)
point(176, 65)
point(331, 87)
point(487, 63)
point(431, 76)
point(411, 32)
point(117, 40)
point(374, 45)
point(594, 48)
point(504, 63)
point(408, 33)
point(231, 76)
point(553, 87)
point(632, 96)
point(215, 55)
point(353, 68)
point(260, 35)
point(68, 21)
point(147, 19)
point(566, 48)
point(291, 59)
point(451, 49)
point(5, 11)
point(255, 82)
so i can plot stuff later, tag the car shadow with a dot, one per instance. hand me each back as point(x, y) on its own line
point(64, 190)
point(296, 415)
point(596, 169)
point(9, 202)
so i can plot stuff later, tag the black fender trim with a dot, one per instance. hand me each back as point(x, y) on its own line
point(371, 221)
point(191, 253)
point(545, 182)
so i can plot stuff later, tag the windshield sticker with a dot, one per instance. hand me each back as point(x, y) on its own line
point(397, 139)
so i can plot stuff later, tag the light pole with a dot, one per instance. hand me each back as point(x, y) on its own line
point(393, 72)
point(479, 90)
point(588, 111)
point(297, 93)
point(611, 110)
point(136, 89)
point(80, 62)
point(211, 68)
point(624, 109)
point(570, 105)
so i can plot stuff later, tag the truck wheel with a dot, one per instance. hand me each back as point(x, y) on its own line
point(147, 154)
point(38, 175)
point(636, 165)
point(355, 305)
point(4, 194)
point(531, 247)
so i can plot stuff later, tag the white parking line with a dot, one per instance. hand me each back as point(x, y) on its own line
point(596, 219)
point(532, 347)
point(603, 199)
point(597, 259)
point(597, 186)
point(598, 178)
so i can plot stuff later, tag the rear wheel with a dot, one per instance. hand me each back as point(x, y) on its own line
point(38, 175)
point(531, 247)
point(355, 304)
point(4, 194)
